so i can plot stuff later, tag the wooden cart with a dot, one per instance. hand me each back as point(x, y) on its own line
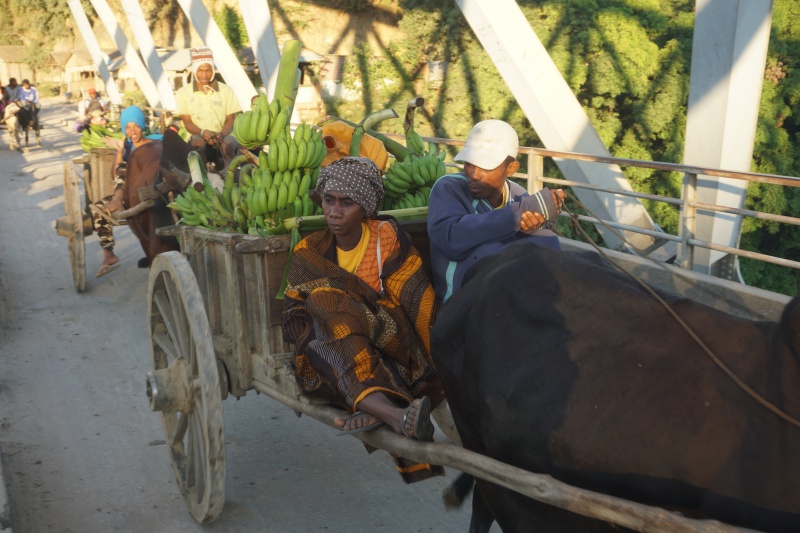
point(214, 329)
point(77, 223)
point(98, 183)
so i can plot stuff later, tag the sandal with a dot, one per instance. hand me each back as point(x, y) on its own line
point(105, 269)
point(423, 427)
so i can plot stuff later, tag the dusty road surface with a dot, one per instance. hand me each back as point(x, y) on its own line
point(83, 453)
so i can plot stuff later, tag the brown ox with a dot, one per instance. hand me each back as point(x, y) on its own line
point(149, 166)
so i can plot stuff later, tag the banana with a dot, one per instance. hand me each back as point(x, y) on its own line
point(441, 155)
point(402, 171)
point(422, 176)
point(305, 184)
point(263, 126)
point(235, 198)
point(283, 154)
point(293, 153)
point(272, 156)
point(274, 109)
point(308, 205)
point(302, 149)
point(283, 195)
point(322, 151)
point(263, 161)
point(441, 170)
point(298, 207)
point(190, 220)
point(414, 142)
point(292, 192)
point(395, 176)
point(237, 128)
point(272, 203)
point(277, 126)
point(252, 131)
point(266, 179)
point(394, 187)
point(261, 202)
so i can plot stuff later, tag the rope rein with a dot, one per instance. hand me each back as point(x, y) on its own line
point(574, 223)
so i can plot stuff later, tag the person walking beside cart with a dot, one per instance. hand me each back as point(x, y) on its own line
point(132, 122)
point(208, 107)
point(480, 211)
point(359, 307)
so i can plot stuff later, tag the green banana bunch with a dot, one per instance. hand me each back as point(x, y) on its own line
point(304, 150)
point(414, 142)
point(93, 137)
point(261, 124)
point(407, 183)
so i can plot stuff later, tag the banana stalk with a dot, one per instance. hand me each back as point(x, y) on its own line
point(367, 123)
point(288, 79)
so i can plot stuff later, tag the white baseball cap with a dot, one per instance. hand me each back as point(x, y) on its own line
point(489, 144)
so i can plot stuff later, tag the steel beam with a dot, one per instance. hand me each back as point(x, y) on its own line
point(260, 30)
point(85, 29)
point(225, 59)
point(147, 47)
point(729, 52)
point(555, 113)
point(132, 60)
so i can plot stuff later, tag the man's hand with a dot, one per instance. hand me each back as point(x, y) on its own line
point(533, 220)
point(211, 137)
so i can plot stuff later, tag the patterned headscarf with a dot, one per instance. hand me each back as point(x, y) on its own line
point(356, 177)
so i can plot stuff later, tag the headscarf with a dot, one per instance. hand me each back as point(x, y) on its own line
point(199, 57)
point(356, 177)
point(132, 114)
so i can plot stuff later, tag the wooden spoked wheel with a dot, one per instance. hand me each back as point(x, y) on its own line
point(74, 209)
point(185, 384)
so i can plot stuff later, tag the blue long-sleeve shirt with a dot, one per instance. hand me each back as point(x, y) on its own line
point(463, 230)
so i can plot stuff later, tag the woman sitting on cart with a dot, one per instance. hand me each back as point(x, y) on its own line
point(359, 308)
point(133, 124)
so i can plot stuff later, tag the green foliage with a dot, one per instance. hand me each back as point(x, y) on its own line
point(42, 18)
point(135, 97)
point(232, 26)
point(49, 89)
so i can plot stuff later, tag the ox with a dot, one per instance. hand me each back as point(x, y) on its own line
point(158, 168)
point(556, 363)
point(20, 121)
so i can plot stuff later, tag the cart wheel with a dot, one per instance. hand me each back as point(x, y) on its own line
point(77, 249)
point(185, 384)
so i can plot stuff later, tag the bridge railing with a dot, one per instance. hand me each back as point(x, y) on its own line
point(687, 203)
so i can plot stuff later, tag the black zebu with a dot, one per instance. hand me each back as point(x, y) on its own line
point(21, 121)
point(573, 370)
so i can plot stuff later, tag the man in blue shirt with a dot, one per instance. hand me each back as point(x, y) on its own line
point(479, 212)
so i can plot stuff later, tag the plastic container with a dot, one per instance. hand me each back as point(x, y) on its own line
point(337, 136)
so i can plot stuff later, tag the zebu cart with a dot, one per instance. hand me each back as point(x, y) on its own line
point(77, 223)
point(214, 328)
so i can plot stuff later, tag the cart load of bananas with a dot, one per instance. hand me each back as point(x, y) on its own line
point(95, 135)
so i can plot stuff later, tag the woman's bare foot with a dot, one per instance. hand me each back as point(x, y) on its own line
point(109, 258)
point(359, 420)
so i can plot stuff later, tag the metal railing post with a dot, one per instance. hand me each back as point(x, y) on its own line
point(688, 221)
point(535, 172)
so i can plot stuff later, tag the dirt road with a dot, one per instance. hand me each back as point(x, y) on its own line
point(81, 450)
